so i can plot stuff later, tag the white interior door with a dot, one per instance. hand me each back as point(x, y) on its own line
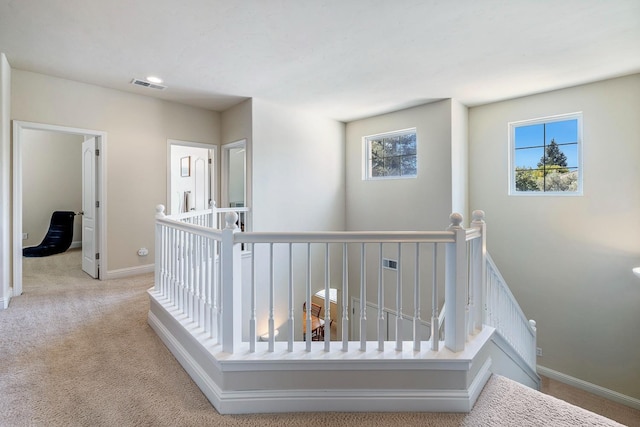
point(89, 235)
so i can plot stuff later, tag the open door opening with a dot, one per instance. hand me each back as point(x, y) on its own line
point(90, 153)
point(191, 176)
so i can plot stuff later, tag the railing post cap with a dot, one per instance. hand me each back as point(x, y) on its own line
point(230, 219)
point(160, 211)
point(456, 220)
point(478, 216)
point(533, 324)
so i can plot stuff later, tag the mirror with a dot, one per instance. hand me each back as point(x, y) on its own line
point(234, 174)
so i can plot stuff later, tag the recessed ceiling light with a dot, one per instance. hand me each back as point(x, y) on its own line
point(154, 79)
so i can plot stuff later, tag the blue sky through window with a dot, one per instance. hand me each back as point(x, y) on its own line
point(530, 141)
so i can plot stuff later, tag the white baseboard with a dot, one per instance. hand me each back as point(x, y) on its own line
point(75, 245)
point(129, 271)
point(589, 387)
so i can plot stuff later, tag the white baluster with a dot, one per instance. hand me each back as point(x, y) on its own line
point(291, 320)
point(382, 326)
point(435, 322)
point(185, 276)
point(308, 299)
point(417, 321)
point(363, 300)
point(208, 286)
point(399, 319)
point(327, 300)
point(252, 318)
point(469, 307)
point(218, 294)
point(345, 301)
point(271, 298)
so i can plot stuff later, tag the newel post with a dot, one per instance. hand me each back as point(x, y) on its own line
point(231, 285)
point(158, 268)
point(479, 271)
point(455, 292)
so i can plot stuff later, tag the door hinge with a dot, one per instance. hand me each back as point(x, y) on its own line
point(97, 255)
point(97, 204)
point(210, 161)
point(97, 151)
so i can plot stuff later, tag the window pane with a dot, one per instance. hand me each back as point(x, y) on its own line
point(409, 165)
point(562, 132)
point(529, 136)
point(392, 155)
point(561, 180)
point(546, 155)
point(571, 151)
point(377, 166)
point(528, 157)
point(392, 166)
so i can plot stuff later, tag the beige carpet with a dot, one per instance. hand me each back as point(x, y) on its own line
point(79, 352)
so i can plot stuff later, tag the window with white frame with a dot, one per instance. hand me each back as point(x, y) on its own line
point(546, 156)
point(391, 155)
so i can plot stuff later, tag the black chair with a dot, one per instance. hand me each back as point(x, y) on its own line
point(58, 238)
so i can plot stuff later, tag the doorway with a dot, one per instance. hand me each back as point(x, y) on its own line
point(191, 176)
point(92, 154)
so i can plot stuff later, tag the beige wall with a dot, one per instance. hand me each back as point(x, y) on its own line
point(298, 185)
point(568, 260)
point(422, 203)
point(298, 169)
point(51, 181)
point(236, 123)
point(137, 129)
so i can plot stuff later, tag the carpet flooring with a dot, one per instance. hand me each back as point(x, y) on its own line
point(79, 352)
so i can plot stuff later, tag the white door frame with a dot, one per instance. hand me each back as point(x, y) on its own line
point(213, 174)
point(18, 127)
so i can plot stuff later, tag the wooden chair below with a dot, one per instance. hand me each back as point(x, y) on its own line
point(317, 324)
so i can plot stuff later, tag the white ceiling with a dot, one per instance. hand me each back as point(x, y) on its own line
point(345, 59)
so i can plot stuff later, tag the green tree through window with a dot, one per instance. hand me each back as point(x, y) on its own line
point(546, 155)
point(391, 155)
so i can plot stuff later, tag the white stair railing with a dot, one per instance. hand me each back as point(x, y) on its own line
point(186, 270)
point(503, 312)
point(199, 271)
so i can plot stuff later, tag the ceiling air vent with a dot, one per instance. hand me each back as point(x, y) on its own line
point(144, 83)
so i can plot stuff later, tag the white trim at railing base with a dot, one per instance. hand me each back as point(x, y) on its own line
point(590, 387)
point(350, 382)
point(515, 368)
point(129, 271)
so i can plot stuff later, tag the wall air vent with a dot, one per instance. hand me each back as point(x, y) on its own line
point(144, 83)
